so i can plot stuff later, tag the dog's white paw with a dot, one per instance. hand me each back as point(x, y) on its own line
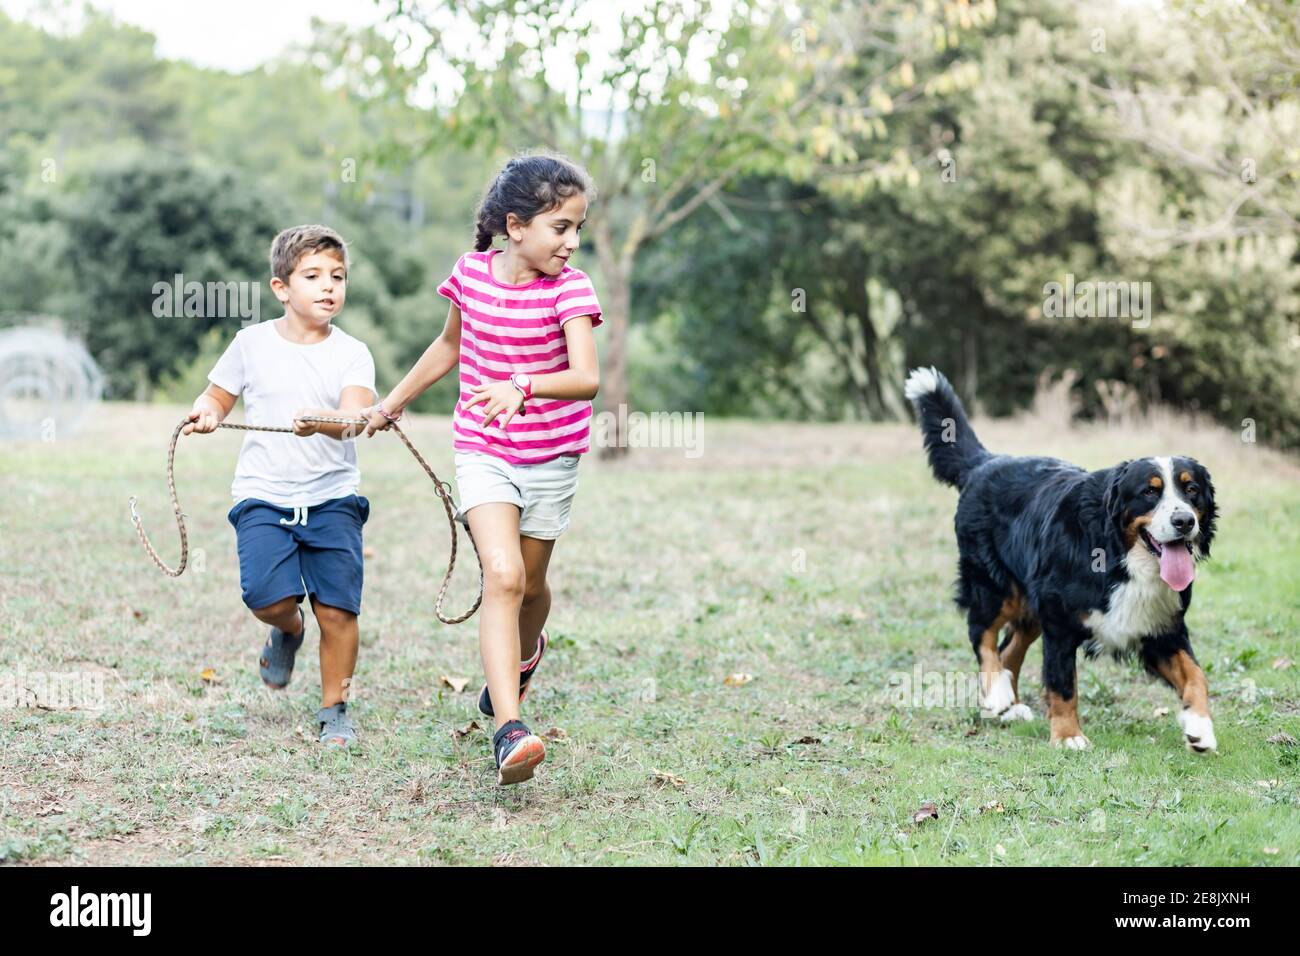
point(1078, 742)
point(1017, 712)
point(996, 694)
point(1198, 732)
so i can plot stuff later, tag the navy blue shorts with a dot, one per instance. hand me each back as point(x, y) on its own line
point(281, 555)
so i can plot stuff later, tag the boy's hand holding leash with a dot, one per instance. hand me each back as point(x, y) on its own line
point(304, 428)
point(201, 420)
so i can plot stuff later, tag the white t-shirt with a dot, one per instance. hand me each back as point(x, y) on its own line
point(277, 377)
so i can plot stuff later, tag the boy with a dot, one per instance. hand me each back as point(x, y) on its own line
point(297, 515)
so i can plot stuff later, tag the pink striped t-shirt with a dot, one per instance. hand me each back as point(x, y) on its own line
point(518, 328)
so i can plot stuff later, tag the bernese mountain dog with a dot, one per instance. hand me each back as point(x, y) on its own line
point(1100, 559)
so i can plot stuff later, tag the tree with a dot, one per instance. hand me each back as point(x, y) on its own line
point(1213, 97)
point(142, 222)
point(878, 121)
point(700, 93)
point(1023, 177)
point(692, 94)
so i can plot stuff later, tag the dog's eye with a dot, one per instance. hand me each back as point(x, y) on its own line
point(1193, 488)
point(1151, 492)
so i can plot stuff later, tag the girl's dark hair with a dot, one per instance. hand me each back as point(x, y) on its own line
point(527, 185)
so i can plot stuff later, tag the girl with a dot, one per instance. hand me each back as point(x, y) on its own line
point(520, 326)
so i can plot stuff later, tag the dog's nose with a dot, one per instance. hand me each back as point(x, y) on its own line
point(1183, 522)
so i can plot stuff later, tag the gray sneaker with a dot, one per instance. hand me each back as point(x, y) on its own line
point(336, 728)
point(276, 662)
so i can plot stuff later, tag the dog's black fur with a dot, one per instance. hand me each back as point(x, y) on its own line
point(1051, 538)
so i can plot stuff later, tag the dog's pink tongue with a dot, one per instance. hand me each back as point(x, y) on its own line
point(1176, 566)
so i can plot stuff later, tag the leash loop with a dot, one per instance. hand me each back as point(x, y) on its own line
point(442, 488)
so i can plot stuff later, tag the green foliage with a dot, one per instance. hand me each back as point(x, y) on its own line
point(1033, 173)
point(119, 170)
point(819, 203)
point(141, 223)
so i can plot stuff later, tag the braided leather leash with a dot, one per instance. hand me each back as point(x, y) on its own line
point(441, 487)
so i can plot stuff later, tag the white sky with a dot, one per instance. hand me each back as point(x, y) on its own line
point(239, 35)
point(233, 35)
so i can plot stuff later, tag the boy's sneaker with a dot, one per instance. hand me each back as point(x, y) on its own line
point(526, 671)
point(336, 728)
point(518, 752)
point(276, 662)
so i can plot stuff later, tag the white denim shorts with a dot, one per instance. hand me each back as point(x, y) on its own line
point(543, 493)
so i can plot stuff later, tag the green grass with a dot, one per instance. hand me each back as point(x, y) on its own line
point(816, 558)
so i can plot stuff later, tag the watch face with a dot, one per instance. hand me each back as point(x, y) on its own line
point(524, 379)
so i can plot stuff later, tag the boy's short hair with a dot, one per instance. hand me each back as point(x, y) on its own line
point(297, 241)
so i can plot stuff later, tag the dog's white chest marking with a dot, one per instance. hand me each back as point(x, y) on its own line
point(1140, 607)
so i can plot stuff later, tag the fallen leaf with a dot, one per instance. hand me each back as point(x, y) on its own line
point(466, 730)
point(209, 676)
point(737, 680)
point(993, 807)
point(663, 778)
point(1000, 850)
point(926, 811)
point(50, 809)
point(457, 684)
point(807, 740)
point(555, 733)
point(1271, 850)
point(1161, 712)
point(1284, 739)
point(1282, 663)
point(140, 615)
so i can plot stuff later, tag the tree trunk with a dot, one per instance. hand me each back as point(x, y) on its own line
point(616, 301)
point(970, 369)
point(860, 302)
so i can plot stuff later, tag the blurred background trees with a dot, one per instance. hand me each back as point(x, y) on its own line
point(790, 211)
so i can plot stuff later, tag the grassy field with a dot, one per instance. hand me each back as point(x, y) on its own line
point(817, 559)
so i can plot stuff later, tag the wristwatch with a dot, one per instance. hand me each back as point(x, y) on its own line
point(524, 382)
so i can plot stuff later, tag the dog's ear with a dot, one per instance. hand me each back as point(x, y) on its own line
point(1209, 511)
point(1112, 500)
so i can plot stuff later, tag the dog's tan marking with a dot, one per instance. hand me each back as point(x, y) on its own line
point(1188, 680)
point(1064, 714)
point(1131, 530)
point(1023, 634)
point(990, 662)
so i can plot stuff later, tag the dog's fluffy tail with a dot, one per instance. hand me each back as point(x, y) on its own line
point(950, 442)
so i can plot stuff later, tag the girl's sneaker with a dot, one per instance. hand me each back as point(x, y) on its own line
point(276, 662)
point(518, 751)
point(526, 671)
